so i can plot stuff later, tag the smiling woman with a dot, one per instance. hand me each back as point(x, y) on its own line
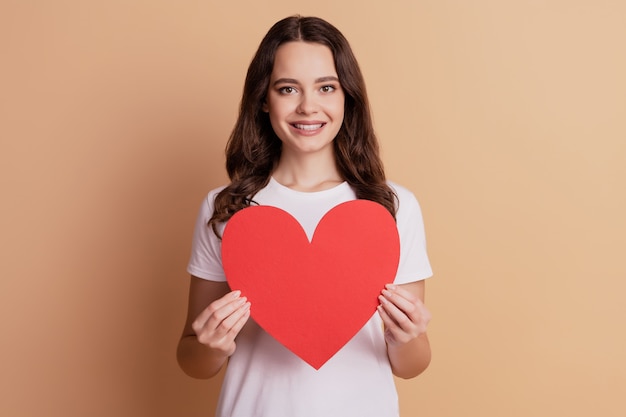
point(506, 118)
point(304, 143)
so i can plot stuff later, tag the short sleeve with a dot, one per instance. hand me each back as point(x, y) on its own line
point(206, 248)
point(414, 264)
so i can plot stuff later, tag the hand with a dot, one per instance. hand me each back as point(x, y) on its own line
point(403, 313)
point(217, 325)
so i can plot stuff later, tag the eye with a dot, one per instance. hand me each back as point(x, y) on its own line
point(327, 89)
point(287, 90)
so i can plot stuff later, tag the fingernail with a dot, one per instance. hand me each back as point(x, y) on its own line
point(236, 294)
point(386, 293)
point(390, 286)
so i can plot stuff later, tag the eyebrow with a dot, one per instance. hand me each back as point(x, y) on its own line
point(294, 81)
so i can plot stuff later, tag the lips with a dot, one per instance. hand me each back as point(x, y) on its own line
point(309, 127)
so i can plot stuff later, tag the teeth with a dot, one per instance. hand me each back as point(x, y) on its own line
point(308, 127)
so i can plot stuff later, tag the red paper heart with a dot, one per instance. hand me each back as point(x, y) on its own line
point(312, 297)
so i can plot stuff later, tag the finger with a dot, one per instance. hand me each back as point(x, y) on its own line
point(216, 320)
point(393, 333)
point(395, 314)
point(407, 305)
point(402, 292)
point(217, 331)
point(415, 321)
point(236, 328)
point(229, 301)
point(229, 323)
point(225, 336)
point(403, 298)
point(387, 320)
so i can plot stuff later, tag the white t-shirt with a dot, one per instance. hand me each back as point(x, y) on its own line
point(265, 379)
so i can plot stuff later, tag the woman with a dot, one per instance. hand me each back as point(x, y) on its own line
point(304, 142)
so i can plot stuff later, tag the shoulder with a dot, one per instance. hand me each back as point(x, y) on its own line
point(214, 192)
point(400, 190)
point(209, 200)
point(409, 212)
point(406, 198)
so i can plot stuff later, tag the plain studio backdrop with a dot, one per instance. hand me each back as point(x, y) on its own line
point(507, 119)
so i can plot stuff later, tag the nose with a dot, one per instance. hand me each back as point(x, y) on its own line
point(307, 104)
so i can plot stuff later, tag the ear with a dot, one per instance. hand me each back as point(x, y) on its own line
point(264, 107)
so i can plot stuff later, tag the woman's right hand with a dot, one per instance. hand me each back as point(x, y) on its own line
point(218, 324)
point(215, 316)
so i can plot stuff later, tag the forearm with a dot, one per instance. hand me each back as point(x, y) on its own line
point(198, 360)
point(410, 359)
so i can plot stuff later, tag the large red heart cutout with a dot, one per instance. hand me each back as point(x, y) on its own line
point(312, 297)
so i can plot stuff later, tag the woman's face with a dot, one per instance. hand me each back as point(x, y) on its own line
point(305, 101)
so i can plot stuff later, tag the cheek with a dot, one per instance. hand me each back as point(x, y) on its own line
point(276, 123)
point(339, 107)
point(339, 112)
point(278, 108)
point(273, 113)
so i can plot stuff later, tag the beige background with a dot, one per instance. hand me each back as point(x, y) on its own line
point(506, 118)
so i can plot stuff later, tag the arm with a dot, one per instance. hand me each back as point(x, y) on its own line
point(405, 317)
point(214, 318)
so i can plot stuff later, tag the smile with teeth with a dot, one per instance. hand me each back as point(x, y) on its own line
point(308, 127)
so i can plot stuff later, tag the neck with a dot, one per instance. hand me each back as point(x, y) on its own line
point(310, 173)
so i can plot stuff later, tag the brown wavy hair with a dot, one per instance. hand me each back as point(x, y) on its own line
point(253, 149)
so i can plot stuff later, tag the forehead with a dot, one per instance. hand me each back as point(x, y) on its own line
point(303, 60)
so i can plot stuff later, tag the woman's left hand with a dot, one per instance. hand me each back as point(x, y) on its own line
point(404, 314)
